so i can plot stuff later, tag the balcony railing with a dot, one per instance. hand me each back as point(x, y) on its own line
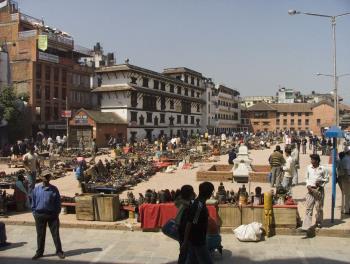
point(59, 38)
point(82, 50)
point(32, 20)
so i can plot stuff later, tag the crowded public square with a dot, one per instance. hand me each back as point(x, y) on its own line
point(163, 132)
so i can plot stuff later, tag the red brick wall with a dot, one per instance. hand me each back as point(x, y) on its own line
point(326, 115)
point(263, 124)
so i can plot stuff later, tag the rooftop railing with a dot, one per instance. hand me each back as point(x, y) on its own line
point(59, 38)
point(82, 50)
point(31, 20)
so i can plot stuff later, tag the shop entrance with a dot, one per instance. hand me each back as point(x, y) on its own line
point(149, 134)
point(77, 134)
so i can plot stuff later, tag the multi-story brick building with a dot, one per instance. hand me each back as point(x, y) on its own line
point(152, 103)
point(291, 117)
point(54, 79)
point(226, 110)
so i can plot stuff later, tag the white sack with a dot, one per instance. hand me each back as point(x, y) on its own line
point(250, 232)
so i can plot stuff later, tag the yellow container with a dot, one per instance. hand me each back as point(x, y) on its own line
point(131, 214)
point(267, 200)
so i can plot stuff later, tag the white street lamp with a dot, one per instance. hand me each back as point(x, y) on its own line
point(335, 77)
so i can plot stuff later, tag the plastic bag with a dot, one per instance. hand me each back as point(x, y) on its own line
point(250, 232)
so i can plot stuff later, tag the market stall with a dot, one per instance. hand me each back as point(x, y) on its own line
point(154, 216)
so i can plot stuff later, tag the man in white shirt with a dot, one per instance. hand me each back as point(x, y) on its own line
point(344, 180)
point(316, 178)
point(295, 157)
point(32, 166)
point(288, 170)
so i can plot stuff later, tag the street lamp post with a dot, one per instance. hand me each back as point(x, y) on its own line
point(335, 77)
point(67, 122)
point(336, 105)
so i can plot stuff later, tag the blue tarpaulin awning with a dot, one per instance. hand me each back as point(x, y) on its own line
point(334, 132)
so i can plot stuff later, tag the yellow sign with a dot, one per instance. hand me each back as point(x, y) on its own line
point(42, 42)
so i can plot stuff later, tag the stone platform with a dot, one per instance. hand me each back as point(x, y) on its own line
point(223, 173)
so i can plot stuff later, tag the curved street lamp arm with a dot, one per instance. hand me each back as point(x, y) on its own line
point(342, 14)
point(345, 74)
point(314, 14)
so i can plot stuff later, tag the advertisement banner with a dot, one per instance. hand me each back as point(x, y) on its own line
point(42, 42)
point(66, 114)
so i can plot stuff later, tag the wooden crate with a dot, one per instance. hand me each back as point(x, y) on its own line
point(85, 207)
point(252, 214)
point(285, 217)
point(107, 208)
point(230, 215)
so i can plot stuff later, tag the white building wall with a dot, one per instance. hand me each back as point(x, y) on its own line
point(120, 103)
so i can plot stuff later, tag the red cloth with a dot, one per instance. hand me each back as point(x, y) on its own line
point(156, 215)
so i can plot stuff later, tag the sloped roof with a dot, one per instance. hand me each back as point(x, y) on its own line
point(103, 117)
point(323, 102)
point(112, 88)
point(294, 107)
point(261, 106)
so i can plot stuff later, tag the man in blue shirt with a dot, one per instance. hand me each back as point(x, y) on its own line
point(46, 206)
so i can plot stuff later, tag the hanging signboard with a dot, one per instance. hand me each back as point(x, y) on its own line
point(66, 114)
point(42, 42)
point(81, 119)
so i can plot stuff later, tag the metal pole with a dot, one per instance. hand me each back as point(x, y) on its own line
point(334, 176)
point(335, 77)
point(67, 121)
point(334, 159)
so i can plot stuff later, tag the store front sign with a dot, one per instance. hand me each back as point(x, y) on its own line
point(81, 119)
point(48, 57)
point(57, 127)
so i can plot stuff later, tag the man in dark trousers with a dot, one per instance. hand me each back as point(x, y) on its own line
point(195, 230)
point(276, 161)
point(46, 207)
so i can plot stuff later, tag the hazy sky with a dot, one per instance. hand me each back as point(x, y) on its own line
point(251, 45)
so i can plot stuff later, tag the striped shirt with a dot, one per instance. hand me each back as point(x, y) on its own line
point(276, 159)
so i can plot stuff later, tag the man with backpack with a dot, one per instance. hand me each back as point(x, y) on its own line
point(195, 229)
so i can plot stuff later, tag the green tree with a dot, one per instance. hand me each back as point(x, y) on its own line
point(11, 111)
